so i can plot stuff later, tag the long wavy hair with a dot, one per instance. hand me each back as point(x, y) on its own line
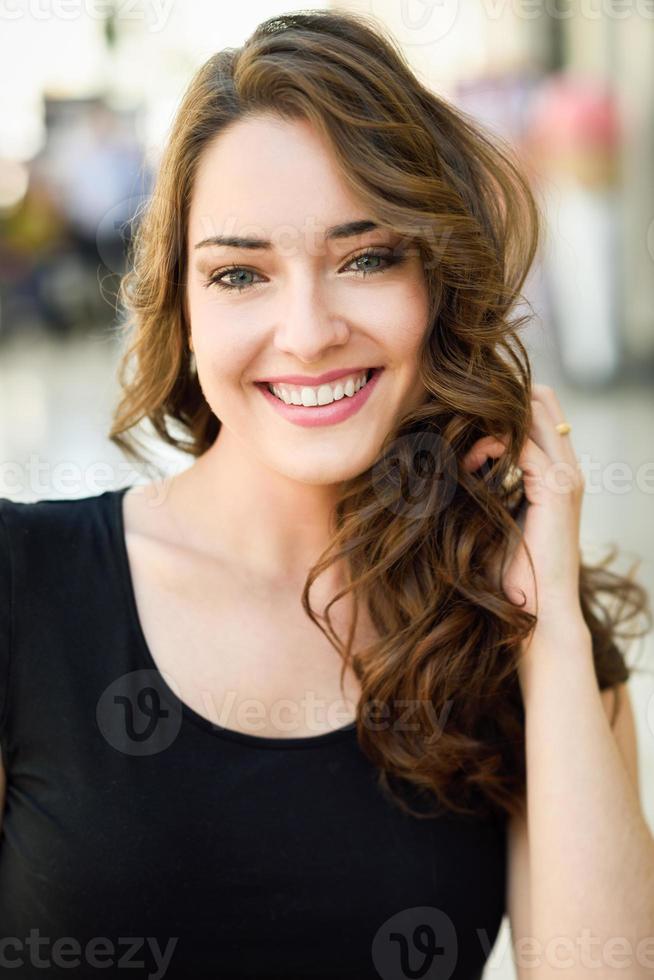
point(422, 538)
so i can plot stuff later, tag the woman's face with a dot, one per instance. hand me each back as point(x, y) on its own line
point(305, 306)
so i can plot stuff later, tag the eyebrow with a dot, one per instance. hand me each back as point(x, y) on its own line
point(346, 230)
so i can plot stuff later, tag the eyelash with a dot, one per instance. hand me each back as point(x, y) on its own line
point(392, 259)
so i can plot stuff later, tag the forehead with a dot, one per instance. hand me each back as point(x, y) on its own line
point(266, 177)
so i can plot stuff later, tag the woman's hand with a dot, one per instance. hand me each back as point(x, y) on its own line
point(554, 488)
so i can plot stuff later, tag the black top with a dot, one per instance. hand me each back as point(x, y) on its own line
point(137, 833)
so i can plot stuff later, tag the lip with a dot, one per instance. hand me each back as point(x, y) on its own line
point(305, 379)
point(336, 411)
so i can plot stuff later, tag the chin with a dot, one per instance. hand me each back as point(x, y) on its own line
point(322, 468)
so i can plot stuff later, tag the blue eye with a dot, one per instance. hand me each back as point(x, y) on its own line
point(391, 259)
point(217, 279)
point(367, 255)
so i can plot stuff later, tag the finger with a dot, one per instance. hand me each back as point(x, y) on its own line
point(486, 448)
point(545, 435)
point(534, 464)
point(564, 470)
point(546, 396)
point(543, 475)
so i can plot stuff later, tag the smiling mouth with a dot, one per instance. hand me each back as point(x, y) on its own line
point(307, 396)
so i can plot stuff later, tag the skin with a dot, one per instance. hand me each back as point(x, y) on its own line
point(263, 493)
point(585, 868)
point(554, 486)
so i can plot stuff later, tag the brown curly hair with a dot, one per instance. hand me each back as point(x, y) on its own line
point(422, 537)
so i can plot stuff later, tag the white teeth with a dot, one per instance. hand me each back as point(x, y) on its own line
point(322, 395)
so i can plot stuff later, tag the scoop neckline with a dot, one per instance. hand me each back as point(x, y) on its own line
point(148, 661)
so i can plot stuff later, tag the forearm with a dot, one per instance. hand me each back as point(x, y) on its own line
point(591, 851)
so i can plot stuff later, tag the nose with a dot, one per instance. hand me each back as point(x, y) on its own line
point(309, 327)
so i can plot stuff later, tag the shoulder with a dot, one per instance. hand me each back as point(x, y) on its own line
point(145, 508)
point(53, 533)
point(27, 516)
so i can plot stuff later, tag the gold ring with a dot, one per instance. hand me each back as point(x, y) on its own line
point(563, 428)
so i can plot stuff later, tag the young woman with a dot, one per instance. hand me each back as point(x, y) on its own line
point(337, 697)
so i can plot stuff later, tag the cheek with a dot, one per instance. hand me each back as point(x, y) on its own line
point(403, 324)
point(409, 305)
point(224, 343)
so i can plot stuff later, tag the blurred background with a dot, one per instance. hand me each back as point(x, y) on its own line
point(87, 91)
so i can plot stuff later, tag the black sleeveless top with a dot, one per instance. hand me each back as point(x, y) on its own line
point(138, 834)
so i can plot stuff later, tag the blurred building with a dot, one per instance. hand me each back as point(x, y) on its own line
point(571, 85)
